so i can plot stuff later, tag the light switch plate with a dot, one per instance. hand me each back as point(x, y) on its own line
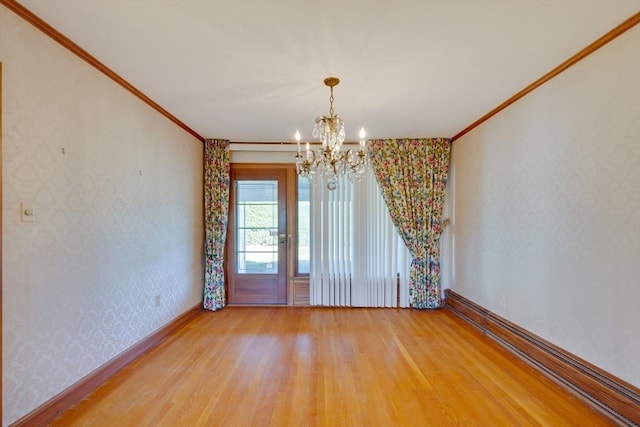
point(27, 212)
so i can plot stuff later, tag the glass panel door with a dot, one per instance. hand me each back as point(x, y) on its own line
point(257, 237)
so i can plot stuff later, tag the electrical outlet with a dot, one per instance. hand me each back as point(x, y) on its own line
point(502, 304)
point(157, 300)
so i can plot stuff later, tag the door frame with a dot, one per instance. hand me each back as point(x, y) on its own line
point(1, 257)
point(290, 218)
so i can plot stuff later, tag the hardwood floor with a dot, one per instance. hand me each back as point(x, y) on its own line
point(288, 366)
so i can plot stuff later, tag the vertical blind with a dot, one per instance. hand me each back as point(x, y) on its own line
point(357, 257)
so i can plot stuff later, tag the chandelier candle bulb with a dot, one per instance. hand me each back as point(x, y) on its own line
point(298, 140)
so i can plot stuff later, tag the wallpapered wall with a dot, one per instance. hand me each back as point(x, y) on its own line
point(118, 218)
point(546, 210)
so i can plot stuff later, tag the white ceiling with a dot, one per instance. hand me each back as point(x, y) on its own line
point(253, 70)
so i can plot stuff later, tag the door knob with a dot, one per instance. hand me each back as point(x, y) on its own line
point(282, 238)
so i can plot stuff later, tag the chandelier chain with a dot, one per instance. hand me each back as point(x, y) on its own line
point(331, 103)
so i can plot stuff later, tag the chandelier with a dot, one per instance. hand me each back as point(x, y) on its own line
point(329, 162)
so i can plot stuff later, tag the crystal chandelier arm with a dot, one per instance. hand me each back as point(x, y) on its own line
point(355, 159)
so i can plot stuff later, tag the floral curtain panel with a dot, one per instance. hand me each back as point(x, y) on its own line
point(412, 174)
point(216, 213)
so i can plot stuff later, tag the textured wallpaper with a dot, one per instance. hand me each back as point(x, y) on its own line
point(117, 193)
point(545, 200)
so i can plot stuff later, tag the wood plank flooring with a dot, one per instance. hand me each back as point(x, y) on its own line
point(288, 366)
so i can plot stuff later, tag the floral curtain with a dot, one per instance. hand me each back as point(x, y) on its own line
point(216, 212)
point(412, 175)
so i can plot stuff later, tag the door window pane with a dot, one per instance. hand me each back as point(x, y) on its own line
point(257, 227)
point(304, 216)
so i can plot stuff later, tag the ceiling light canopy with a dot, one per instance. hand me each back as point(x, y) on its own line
point(328, 161)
